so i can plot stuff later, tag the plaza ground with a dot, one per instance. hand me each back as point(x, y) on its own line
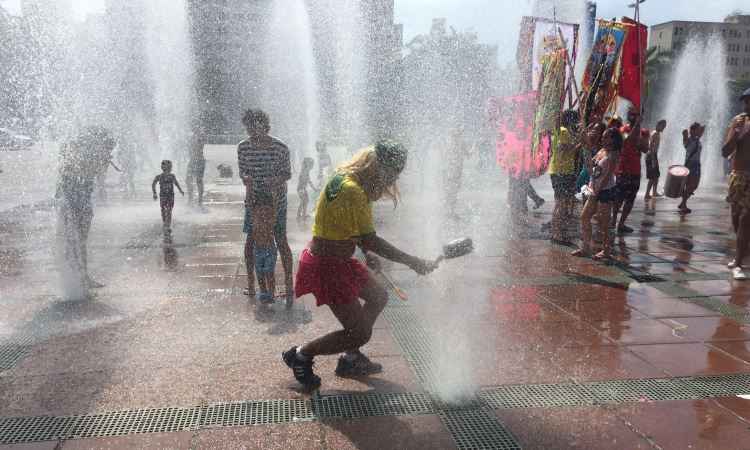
point(547, 351)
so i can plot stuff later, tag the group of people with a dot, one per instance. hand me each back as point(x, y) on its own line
point(603, 162)
point(609, 176)
point(327, 269)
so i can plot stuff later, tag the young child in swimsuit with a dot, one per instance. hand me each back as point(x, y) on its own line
point(167, 181)
point(302, 183)
point(264, 247)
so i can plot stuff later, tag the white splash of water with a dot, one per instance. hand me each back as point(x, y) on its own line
point(698, 93)
point(170, 63)
point(289, 86)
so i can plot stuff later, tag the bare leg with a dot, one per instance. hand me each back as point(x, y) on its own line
point(743, 236)
point(199, 184)
point(626, 208)
point(616, 206)
point(357, 320)
point(736, 213)
point(649, 187)
point(189, 184)
point(557, 220)
point(588, 212)
point(603, 215)
point(271, 283)
point(656, 186)
point(250, 264)
point(286, 262)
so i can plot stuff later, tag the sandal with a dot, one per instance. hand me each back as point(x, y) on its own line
point(600, 256)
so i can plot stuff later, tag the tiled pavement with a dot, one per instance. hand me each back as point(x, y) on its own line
point(544, 350)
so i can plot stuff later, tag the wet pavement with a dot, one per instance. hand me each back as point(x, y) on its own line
point(516, 345)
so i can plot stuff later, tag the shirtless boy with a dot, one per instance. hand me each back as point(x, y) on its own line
point(737, 146)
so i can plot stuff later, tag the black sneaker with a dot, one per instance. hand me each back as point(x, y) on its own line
point(303, 371)
point(624, 229)
point(360, 366)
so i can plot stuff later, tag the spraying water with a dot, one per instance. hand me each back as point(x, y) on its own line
point(170, 67)
point(289, 87)
point(698, 93)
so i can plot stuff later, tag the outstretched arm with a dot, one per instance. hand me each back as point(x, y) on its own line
point(177, 183)
point(374, 243)
point(153, 186)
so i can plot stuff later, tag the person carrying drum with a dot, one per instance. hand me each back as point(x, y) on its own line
point(737, 147)
point(691, 140)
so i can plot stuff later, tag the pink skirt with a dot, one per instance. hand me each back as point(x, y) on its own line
point(332, 280)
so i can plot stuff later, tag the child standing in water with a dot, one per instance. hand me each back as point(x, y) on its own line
point(262, 206)
point(167, 181)
point(302, 183)
point(691, 140)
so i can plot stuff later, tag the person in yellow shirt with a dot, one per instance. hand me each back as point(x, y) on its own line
point(327, 269)
point(562, 170)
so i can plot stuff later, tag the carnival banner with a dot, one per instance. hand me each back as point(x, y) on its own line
point(538, 37)
point(602, 75)
point(515, 119)
point(633, 62)
point(547, 40)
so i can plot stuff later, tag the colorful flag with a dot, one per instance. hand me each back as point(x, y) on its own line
point(602, 76)
point(633, 62)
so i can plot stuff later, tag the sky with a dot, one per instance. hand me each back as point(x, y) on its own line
point(496, 21)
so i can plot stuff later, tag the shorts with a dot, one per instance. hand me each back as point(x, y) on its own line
point(627, 187)
point(652, 169)
point(691, 184)
point(583, 179)
point(166, 201)
point(564, 186)
point(607, 195)
point(739, 190)
point(278, 228)
point(197, 168)
point(265, 260)
point(332, 280)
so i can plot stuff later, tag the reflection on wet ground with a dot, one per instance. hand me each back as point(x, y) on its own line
point(171, 327)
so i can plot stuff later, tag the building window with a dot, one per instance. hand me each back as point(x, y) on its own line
point(660, 33)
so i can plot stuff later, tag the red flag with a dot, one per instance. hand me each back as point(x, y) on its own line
point(632, 68)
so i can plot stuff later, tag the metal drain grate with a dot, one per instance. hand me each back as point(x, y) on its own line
point(720, 386)
point(471, 426)
point(375, 404)
point(647, 278)
point(477, 429)
point(726, 310)
point(11, 354)
point(615, 391)
point(120, 423)
point(413, 340)
point(652, 389)
point(536, 396)
point(262, 412)
point(17, 430)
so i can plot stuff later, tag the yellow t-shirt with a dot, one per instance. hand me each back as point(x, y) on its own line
point(343, 210)
point(562, 163)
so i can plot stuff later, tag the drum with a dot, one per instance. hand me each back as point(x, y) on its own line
point(676, 178)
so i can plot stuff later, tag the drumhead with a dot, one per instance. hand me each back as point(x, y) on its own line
point(679, 171)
